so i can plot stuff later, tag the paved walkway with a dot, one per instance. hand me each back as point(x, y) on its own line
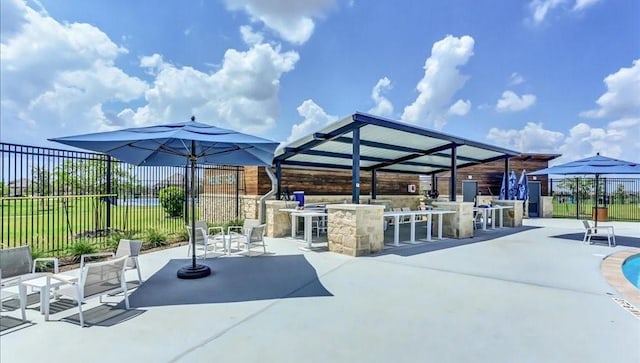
point(525, 297)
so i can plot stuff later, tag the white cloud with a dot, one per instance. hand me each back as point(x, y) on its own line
point(583, 4)
point(515, 79)
point(442, 79)
point(531, 138)
point(291, 19)
point(622, 98)
point(249, 36)
point(618, 139)
point(511, 102)
point(540, 9)
point(383, 107)
point(460, 108)
point(60, 79)
point(242, 94)
point(57, 77)
point(314, 119)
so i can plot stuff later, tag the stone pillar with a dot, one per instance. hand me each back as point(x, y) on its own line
point(278, 223)
point(546, 207)
point(512, 217)
point(458, 225)
point(355, 229)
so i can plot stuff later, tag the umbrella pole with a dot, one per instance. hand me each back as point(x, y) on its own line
point(596, 216)
point(194, 271)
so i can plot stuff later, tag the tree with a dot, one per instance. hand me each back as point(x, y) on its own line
point(172, 199)
point(42, 183)
point(80, 176)
point(620, 194)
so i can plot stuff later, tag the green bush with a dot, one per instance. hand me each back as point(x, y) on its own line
point(81, 247)
point(155, 238)
point(172, 200)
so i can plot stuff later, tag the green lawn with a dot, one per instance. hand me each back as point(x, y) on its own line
point(53, 226)
point(618, 212)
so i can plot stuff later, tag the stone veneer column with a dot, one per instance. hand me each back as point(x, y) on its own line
point(278, 223)
point(512, 217)
point(546, 207)
point(355, 229)
point(458, 225)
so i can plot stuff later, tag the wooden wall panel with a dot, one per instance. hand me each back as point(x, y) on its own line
point(489, 176)
point(336, 182)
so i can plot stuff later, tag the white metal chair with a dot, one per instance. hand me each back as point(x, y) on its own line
point(202, 241)
point(96, 279)
point(239, 233)
point(255, 237)
point(21, 295)
point(126, 247)
point(591, 231)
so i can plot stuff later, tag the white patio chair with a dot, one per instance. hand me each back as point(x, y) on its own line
point(18, 265)
point(126, 247)
point(95, 279)
point(202, 241)
point(255, 237)
point(239, 233)
point(591, 231)
point(21, 295)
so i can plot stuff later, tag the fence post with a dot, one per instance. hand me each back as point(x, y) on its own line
point(577, 198)
point(108, 199)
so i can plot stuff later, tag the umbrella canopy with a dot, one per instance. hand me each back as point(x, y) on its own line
point(179, 144)
point(596, 165)
point(171, 145)
point(512, 185)
point(523, 186)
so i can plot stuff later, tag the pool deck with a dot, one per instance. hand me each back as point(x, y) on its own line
point(523, 297)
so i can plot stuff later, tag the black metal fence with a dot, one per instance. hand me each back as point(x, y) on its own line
point(50, 198)
point(576, 198)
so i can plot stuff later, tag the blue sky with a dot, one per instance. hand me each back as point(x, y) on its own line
point(549, 76)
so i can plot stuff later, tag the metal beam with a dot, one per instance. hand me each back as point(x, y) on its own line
point(355, 169)
point(454, 175)
point(374, 184)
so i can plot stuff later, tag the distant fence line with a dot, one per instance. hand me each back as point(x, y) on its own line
point(50, 198)
point(575, 197)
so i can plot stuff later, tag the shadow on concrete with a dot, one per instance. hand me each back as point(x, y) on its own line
point(233, 279)
point(103, 315)
point(620, 240)
point(423, 246)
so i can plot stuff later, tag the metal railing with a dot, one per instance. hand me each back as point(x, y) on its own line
point(576, 198)
point(50, 198)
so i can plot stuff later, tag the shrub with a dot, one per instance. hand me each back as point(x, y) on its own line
point(180, 236)
point(155, 238)
point(81, 247)
point(172, 199)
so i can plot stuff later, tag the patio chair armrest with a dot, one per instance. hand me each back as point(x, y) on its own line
point(234, 229)
point(50, 259)
point(66, 279)
point(99, 254)
point(216, 230)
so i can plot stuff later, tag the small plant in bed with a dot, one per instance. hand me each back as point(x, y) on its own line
point(155, 238)
point(81, 247)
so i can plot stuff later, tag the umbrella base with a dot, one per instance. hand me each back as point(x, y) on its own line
point(194, 272)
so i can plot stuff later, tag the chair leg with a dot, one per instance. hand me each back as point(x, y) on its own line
point(80, 314)
point(139, 274)
point(23, 301)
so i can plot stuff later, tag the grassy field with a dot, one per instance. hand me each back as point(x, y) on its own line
point(51, 225)
point(618, 212)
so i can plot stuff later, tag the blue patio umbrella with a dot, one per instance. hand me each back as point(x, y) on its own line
point(502, 188)
point(512, 185)
point(523, 186)
point(179, 144)
point(596, 165)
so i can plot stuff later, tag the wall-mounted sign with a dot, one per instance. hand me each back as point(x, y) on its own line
point(221, 179)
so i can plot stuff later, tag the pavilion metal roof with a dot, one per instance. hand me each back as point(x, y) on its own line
point(386, 145)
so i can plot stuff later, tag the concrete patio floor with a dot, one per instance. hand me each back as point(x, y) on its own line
point(524, 297)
